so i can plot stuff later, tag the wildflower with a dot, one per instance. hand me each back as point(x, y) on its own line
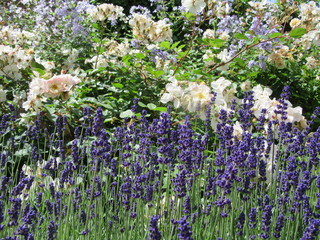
point(52, 230)
point(154, 233)
point(245, 86)
point(209, 33)
point(276, 59)
point(312, 63)
point(253, 218)
point(186, 206)
point(194, 6)
point(295, 22)
point(311, 232)
point(240, 224)
point(59, 84)
point(106, 11)
point(266, 221)
point(184, 228)
point(3, 96)
point(279, 225)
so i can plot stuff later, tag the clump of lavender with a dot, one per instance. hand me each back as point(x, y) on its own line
point(145, 173)
point(154, 233)
point(184, 228)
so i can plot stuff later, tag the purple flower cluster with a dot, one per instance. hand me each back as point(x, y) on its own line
point(162, 171)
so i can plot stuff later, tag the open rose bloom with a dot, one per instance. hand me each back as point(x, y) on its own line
point(40, 89)
point(59, 84)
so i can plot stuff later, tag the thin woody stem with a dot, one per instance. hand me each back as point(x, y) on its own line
point(243, 50)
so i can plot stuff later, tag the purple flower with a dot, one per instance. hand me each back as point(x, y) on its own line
point(52, 230)
point(241, 220)
point(14, 211)
point(135, 105)
point(184, 228)
point(266, 221)
point(28, 214)
point(97, 122)
point(253, 218)
point(23, 230)
point(312, 231)
point(154, 233)
point(83, 217)
point(279, 226)
point(179, 182)
point(85, 232)
point(187, 206)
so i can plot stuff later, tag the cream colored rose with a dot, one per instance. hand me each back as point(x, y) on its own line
point(295, 22)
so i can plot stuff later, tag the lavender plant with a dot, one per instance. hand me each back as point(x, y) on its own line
point(160, 180)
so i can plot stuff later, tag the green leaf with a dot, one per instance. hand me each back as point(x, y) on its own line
point(42, 72)
point(141, 104)
point(34, 64)
point(182, 54)
point(23, 152)
point(252, 74)
point(190, 16)
point(175, 45)
point(240, 62)
point(100, 69)
point(151, 106)
point(126, 60)
point(96, 40)
point(165, 44)
point(276, 34)
point(117, 85)
point(198, 71)
point(158, 73)
point(101, 50)
point(126, 114)
point(218, 43)
point(180, 47)
point(240, 36)
point(297, 32)
point(255, 40)
point(140, 56)
point(283, 39)
point(96, 26)
point(160, 109)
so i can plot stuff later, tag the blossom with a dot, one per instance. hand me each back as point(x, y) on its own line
point(245, 86)
point(312, 63)
point(220, 85)
point(59, 84)
point(160, 31)
point(198, 98)
point(309, 12)
point(208, 58)
point(175, 92)
point(295, 22)
point(106, 11)
point(144, 28)
point(276, 59)
point(209, 33)
point(224, 56)
point(224, 35)
point(3, 96)
point(259, 6)
point(194, 6)
point(141, 25)
point(33, 101)
point(312, 37)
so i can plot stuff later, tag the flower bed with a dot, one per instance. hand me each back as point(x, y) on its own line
point(189, 120)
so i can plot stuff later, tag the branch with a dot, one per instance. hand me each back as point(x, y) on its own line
point(243, 50)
